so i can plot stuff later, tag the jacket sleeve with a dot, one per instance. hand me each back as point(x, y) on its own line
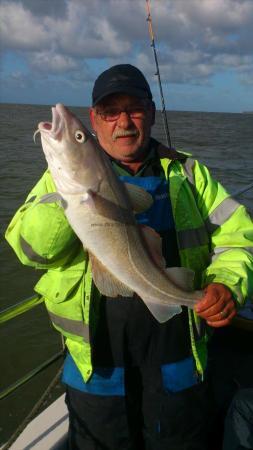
point(230, 229)
point(39, 233)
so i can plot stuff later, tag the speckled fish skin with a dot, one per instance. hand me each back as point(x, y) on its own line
point(98, 208)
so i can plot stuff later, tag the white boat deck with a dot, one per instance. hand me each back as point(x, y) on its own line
point(48, 431)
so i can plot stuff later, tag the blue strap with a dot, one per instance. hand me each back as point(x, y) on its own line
point(159, 216)
point(109, 381)
point(104, 380)
point(180, 375)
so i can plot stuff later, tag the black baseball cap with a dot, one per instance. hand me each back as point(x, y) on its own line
point(122, 78)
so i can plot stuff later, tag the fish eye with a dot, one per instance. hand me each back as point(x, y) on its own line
point(80, 136)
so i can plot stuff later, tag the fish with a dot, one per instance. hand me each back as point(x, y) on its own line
point(126, 258)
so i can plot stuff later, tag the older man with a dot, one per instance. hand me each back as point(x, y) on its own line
point(134, 383)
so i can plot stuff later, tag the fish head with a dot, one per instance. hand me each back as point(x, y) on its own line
point(70, 151)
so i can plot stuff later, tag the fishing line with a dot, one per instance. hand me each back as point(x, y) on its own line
point(152, 38)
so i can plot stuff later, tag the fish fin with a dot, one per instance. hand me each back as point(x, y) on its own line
point(154, 244)
point(53, 197)
point(140, 199)
point(162, 313)
point(181, 277)
point(106, 283)
point(88, 198)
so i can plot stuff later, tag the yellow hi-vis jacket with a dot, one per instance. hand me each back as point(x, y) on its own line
point(214, 235)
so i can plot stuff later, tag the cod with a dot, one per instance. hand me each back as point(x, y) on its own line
point(126, 258)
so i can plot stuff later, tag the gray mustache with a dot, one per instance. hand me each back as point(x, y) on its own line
point(124, 133)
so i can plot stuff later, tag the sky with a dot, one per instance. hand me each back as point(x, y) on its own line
point(53, 50)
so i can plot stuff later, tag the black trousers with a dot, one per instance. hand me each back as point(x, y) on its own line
point(147, 417)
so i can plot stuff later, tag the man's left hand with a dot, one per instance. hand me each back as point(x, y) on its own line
point(217, 306)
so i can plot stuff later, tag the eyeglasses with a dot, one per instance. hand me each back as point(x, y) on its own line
point(112, 114)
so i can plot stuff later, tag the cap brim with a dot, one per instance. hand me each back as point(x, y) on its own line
point(140, 93)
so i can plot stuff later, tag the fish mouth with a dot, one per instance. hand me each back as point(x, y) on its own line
point(55, 128)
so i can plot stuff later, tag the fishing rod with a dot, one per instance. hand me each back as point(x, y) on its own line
point(165, 121)
point(242, 190)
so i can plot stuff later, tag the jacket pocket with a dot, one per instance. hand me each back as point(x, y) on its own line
point(57, 285)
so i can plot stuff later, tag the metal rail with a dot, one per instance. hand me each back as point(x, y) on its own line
point(20, 308)
point(5, 392)
point(12, 312)
point(242, 190)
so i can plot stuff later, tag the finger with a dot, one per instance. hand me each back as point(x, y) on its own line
point(212, 310)
point(214, 292)
point(224, 322)
point(223, 312)
point(207, 301)
point(224, 317)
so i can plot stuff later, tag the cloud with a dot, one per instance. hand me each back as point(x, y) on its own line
point(20, 30)
point(195, 39)
point(52, 62)
point(16, 80)
point(78, 33)
point(40, 8)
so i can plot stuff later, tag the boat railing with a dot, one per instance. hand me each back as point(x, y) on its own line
point(242, 190)
point(11, 313)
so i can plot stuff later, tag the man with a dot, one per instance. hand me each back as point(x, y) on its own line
point(133, 383)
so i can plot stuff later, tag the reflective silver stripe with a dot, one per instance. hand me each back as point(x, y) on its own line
point(192, 238)
point(30, 253)
point(221, 214)
point(219, 250)
point(188, 169)
point(72, 326)
point(196, 236)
